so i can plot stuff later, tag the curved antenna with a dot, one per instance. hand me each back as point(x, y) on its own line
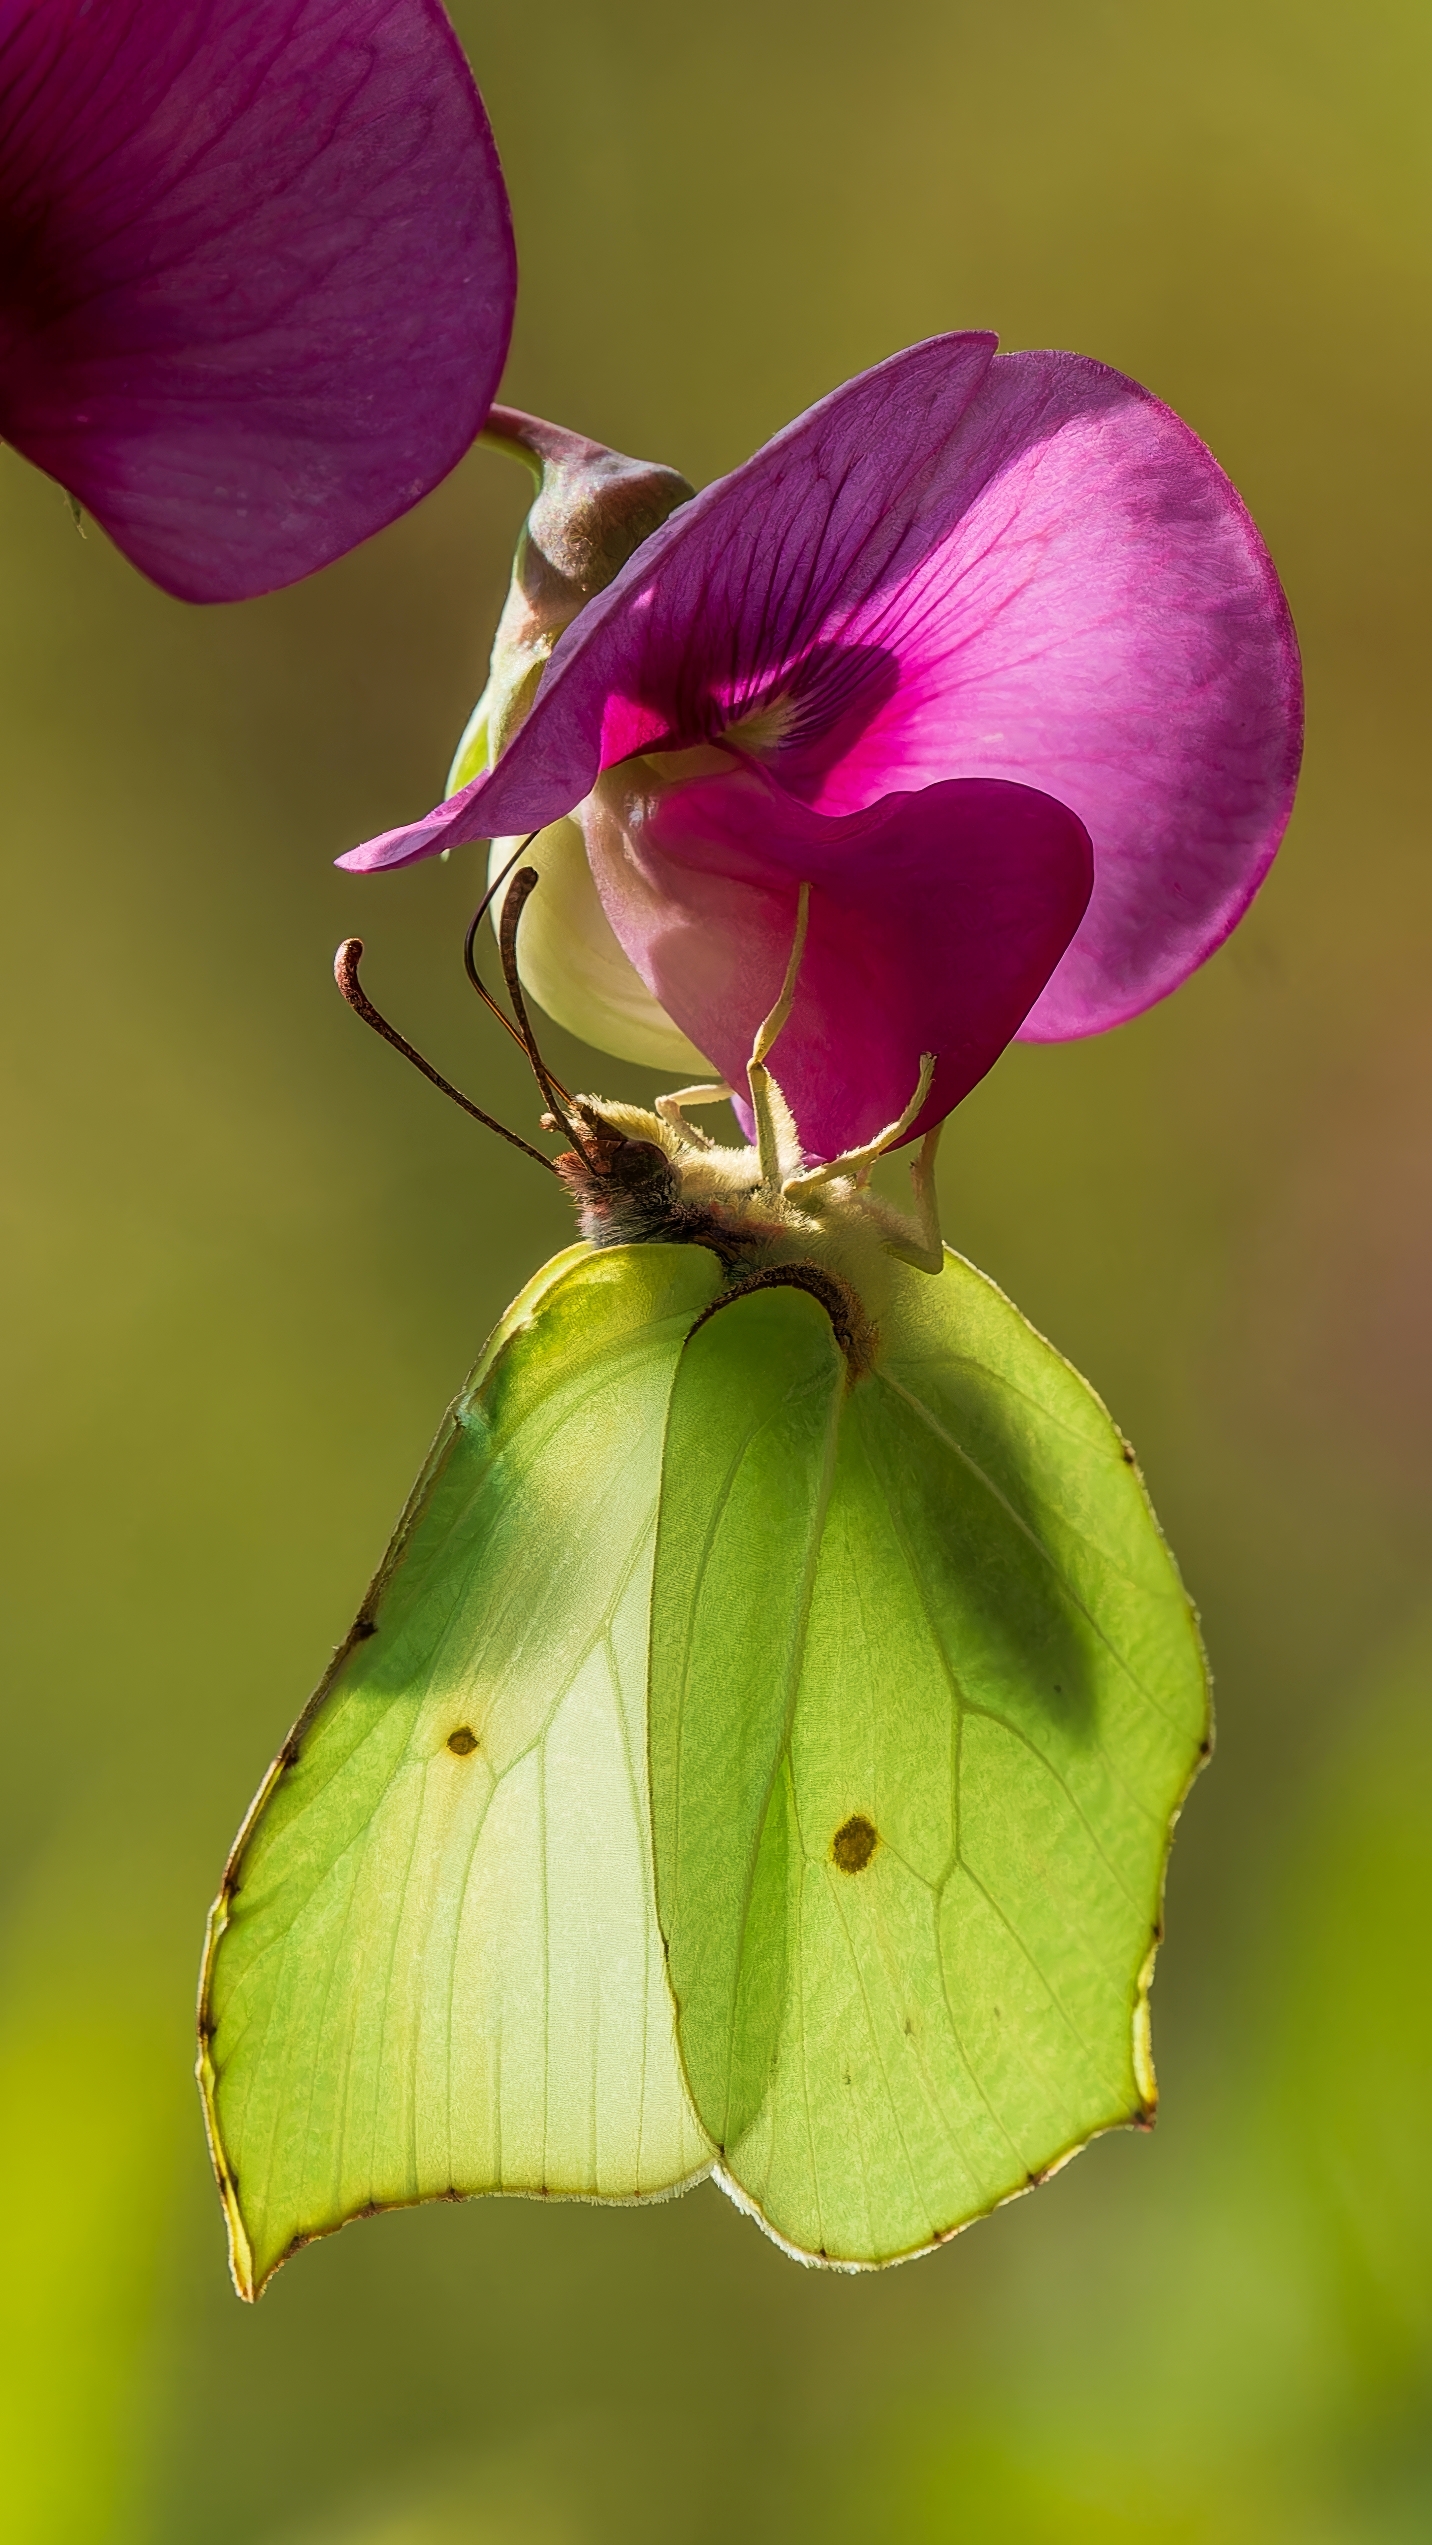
point(345, 973)
point(469, 959)
point(469, 965)
point(519, 892)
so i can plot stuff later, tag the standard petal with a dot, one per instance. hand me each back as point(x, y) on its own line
point(1020, 567)
point(256, 272)
point(1102, 621)
point(935, 920)
point(731, 594)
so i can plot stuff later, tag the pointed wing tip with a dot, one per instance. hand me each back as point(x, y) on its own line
point(249, 2283)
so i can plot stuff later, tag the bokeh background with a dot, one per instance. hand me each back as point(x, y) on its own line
point(249, 1256)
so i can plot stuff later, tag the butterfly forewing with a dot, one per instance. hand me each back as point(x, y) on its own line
point(435, 1964)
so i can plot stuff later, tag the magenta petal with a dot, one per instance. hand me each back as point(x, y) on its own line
point(1103, 621)
point(959, 566)
point(256, 271)
point(935, 920)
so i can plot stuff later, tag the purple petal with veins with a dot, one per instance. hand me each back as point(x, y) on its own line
point(256, 272)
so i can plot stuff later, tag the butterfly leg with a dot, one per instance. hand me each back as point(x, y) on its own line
point(670, 1110)
point(856, 1163)
point(924, 1248)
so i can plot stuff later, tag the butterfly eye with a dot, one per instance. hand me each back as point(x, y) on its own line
point(639, 1162)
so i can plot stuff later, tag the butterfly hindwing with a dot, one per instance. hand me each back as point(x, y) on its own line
point(750, 1443)
point(974, 1701)
point(435, 1966)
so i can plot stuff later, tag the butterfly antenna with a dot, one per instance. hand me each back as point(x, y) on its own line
point(469, 959)
point(519, 892)
point(345, 973)
point(469, 945)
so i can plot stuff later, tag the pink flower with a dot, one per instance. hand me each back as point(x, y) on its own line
point(973, 634)
point(256, 271)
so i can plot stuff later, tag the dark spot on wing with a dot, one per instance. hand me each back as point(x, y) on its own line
point(462, 1743)
point(366, 1626)
point(854, 1844)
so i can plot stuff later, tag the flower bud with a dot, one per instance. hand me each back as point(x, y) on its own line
point(594, 508)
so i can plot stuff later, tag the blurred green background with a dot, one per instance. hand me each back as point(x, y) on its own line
point(249, 1257)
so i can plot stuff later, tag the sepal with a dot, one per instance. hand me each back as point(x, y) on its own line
point(593, 509)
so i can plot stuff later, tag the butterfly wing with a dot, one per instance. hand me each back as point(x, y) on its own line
point(434, 1967)
point(910, 1941)
point(752, 1437)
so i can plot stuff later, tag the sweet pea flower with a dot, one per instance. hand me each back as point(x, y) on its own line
point(256, 272)
point(986, 650)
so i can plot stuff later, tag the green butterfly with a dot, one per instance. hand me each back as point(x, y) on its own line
point(756, 1756)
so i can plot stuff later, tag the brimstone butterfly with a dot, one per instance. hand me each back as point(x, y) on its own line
point(756, 1755)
